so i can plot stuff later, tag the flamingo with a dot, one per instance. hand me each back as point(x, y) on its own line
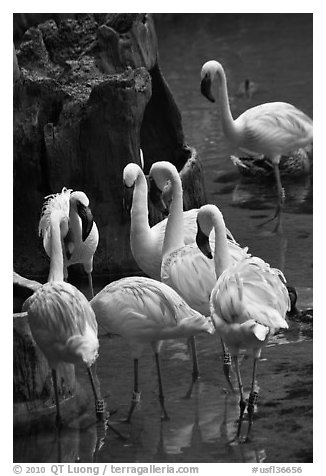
point(184, 267)
point(62, 322)
point(143, 310)
point(146, 242)
point(271, 129)
point(248, 302)
point(82, 238)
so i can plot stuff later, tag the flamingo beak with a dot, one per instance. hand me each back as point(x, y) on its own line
point(128, 193)
point(86, 217)
point(155, 195)
point(202, 241)
point(293, 299)
point(206, 88)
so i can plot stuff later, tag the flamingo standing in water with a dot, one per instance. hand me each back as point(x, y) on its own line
point(248, 303)
point(82, 238)
point(146, 242)
point(143, 310)
point(61, 319)
point(184, 267)
point(271, 129)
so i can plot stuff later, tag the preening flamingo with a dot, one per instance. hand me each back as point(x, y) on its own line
point(82, 238)
point(61, 319)
point(271, 129)
point(184, 267)
point(143, 310)
point(146, 242)
point(248, 303)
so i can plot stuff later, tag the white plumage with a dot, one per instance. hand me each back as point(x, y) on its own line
point(184, 267)
point(146, 311)
point(248, 302)
point(63, 324)
point(271, 129)
point(80, 243)
point(146, 242)
point(61, 319)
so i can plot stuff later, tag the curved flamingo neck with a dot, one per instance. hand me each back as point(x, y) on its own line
point(56, 253)
point(228, 124)
point(174, 232)
point(75, 225)
point(139, 209)
point(222, 257)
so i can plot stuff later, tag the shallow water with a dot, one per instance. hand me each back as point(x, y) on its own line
point(200, 429)
point(275, 52)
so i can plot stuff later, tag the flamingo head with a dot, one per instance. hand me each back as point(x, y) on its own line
point(79, 202)
point(160, 177)
point(204, 227)
point(156, 197)
point(130, 174)
point(207, 216)
point(293, 300)
point(202, 241)
point(208, 73)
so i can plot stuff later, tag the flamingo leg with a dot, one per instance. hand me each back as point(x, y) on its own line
point(227, 360)
point(195, 370)
point(136, 394)
point(280, 194)
point(56, 396)
point(165, 416)
point(99, 403)
point(100, 410)
point(280, 198)
point(242, 403)
point(253, 397)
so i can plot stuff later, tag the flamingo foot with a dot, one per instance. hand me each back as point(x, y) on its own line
point(134, 402)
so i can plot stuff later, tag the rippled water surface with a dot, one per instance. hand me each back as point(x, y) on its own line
point(274, 52)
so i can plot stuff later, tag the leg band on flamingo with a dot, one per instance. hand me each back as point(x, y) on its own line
point(136, 397)
point(100, 406)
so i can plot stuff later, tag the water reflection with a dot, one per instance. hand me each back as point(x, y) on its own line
point(259, 195)
point(203, 434)
point(78, 442)
point(201, 429)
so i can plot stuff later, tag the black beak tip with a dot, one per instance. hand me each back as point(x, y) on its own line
point(205, 88)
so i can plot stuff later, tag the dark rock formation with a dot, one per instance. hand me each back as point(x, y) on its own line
point(88, 95)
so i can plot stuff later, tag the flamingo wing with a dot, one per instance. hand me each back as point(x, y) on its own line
point(251, 290)
point(143, 308)
point(191, 274)
point(274, 129)
point(54, 202)
point(62, 322)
